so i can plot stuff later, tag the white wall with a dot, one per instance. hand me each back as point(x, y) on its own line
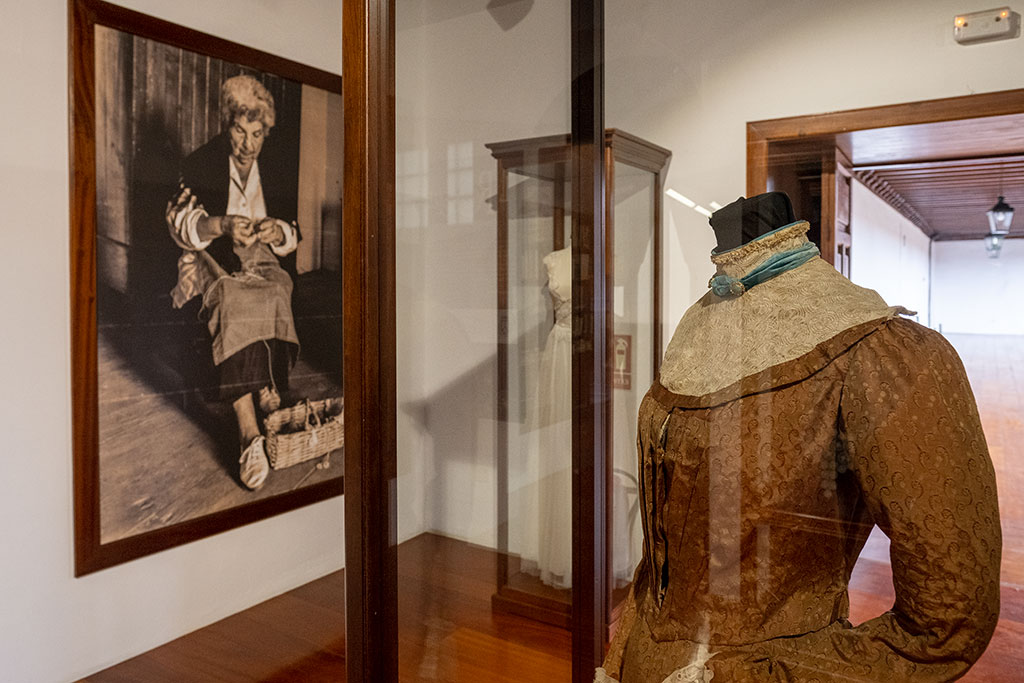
point(889, 254)
point(411, 188)
point(688, 76)
point(54, 627)
point(975, 294)
point(462, 81)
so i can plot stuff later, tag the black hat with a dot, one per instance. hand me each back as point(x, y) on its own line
point(747, 219)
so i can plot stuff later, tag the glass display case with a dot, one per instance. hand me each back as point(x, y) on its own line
point(535, 354)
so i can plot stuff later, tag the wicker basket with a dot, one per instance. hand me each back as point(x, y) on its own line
point(306, 430)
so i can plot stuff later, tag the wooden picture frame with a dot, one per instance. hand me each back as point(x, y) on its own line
point(154, 464)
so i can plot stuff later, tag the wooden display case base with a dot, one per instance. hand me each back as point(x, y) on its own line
point(526, 596)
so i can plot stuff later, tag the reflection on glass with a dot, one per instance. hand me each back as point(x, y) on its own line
point(633, 352)
point(535, 378)
point(482, 377)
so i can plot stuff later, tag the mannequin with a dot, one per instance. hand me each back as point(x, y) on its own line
point(793, 412)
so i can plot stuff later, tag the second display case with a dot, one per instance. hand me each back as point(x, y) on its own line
point(534, 360)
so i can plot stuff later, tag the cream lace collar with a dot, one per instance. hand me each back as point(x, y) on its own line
point(720, 341)
point(741, 260)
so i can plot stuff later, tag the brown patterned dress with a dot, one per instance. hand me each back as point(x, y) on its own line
point(758, 495)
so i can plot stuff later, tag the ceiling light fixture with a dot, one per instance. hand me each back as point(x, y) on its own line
point(994, 245)
point(999, 217)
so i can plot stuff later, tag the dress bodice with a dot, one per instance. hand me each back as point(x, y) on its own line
point(563, 310)
point(559, 265)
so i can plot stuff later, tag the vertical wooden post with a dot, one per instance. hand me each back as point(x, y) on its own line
point(501, 381)
point(590, 394)
point(605, 502)
point(757, 162)
point(828, 207)
point(558, 208)
point(371, 586)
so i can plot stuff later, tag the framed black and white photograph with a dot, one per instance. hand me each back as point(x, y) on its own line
point(206, 284)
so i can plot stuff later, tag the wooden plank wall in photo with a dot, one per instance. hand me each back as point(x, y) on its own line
point(113, 157)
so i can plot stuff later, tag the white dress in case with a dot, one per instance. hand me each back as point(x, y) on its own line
point(554, 399)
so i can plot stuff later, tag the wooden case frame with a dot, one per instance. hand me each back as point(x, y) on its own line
point(548, 159)
point(370, 502)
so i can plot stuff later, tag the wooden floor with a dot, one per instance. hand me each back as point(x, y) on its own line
point(448, 631)
point(168, 447)
point(166, 457)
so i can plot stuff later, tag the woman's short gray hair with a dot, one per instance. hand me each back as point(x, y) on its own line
point(244, 96)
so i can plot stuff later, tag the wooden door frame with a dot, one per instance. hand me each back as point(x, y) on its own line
point(761, 135)
point(785, 138)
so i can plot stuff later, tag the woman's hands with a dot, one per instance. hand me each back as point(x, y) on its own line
point(244, 232)
point(238, 228)
point(269, 232)
point(184, 202)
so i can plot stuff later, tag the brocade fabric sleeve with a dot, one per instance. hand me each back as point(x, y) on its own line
point(915, 446)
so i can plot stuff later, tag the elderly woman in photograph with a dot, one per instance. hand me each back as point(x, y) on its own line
point(235, 222)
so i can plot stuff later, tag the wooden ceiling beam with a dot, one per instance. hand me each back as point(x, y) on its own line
point(999, 103)
point(1013, 171)
point(967, 236)
point(939, 163)
point(879, 186)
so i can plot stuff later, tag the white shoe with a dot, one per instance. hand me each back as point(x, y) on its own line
point(254, 465)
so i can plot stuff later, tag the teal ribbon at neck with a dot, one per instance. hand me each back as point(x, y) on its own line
point(776, 264)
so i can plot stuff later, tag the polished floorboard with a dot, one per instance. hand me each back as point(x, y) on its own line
point(167, 456)
point(448, 632)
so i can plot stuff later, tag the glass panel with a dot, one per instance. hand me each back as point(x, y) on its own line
point(538, 373)
point(816, 491)
point(633, 357)
point(484, 357)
